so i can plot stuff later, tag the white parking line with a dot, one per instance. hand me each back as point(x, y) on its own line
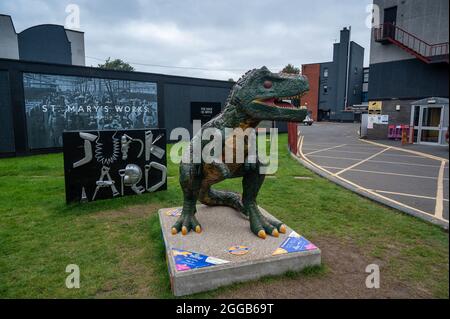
point(325, 149)
point(407, 195)
point(329, 144)
point(382, 173)
point(374, 161)
point(361, 162)
point(439, 210)
point(335, 157)
point(353, 152)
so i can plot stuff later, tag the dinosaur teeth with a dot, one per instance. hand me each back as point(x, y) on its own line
point(296, 97)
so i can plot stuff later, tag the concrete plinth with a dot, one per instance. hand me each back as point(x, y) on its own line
point(227, 251)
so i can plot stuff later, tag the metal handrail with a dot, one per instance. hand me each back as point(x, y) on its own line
point(397, 34)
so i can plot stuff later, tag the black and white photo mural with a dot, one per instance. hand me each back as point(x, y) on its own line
point(55, 103)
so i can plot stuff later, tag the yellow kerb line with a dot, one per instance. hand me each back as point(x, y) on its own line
point(439, 210)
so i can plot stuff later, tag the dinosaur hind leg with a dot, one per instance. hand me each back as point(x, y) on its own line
point(259, 224)
point(212, 197)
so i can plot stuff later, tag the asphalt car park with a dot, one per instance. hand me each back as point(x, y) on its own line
point(414, 181)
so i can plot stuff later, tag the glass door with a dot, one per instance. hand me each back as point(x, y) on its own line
point(430, 123)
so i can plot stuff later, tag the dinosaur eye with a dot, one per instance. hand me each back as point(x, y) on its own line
point(267, 84)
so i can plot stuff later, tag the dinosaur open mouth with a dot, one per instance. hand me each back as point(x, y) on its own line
point(285, 102)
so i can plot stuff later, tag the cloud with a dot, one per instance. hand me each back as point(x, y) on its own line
point(219, 39)
point(167, 34)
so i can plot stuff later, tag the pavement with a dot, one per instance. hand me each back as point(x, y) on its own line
point(412, 178)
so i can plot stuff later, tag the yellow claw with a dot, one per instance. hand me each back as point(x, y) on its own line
point(283, 229)
point(275, 233)
point(198, 229)
point(174, 231)
point(262, 234)
point(184, 230)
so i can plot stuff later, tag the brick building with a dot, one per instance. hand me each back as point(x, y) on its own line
point(311, 98)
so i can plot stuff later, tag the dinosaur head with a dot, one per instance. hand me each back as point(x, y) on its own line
point(264, 95)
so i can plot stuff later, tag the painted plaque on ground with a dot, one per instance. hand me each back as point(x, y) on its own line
point(294, 244)
point(186, 260)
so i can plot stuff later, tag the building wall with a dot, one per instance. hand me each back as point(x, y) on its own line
point(407, 79)
point(76, 40)
point(6, 120)
point(174, 96)
point(365, 86)
point(356, 72)
point(9, 46)
point(402, 117)
point(396, 74)
point(178, 98)
point(42, 43)
point(341, 72)
point(327, 99)
point(45, 43)
point(399, 78)
point(311, 98)
point(428, 20)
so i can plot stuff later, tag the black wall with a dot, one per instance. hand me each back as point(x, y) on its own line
point(327, 100)
point(6, 123)
point(171, 105)
point(407, 79)
point(45, 43)
point(355, 74)
point(178, 98)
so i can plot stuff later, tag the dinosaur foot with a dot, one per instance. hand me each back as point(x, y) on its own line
point(261, 225)
point(185, 224)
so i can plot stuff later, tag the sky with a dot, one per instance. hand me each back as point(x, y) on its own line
point(203, 38)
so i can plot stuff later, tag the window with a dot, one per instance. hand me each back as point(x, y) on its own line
point(325, 89)
point(325, 72)
point(365, 87)
point(366, 76)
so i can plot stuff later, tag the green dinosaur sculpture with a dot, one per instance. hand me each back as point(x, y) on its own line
point(254, 98)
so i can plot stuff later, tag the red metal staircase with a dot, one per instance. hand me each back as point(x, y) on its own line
point(429, 53)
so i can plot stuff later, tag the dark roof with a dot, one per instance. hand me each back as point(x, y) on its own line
point(436, 100)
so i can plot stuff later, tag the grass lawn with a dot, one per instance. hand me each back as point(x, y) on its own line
point(119, 249)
